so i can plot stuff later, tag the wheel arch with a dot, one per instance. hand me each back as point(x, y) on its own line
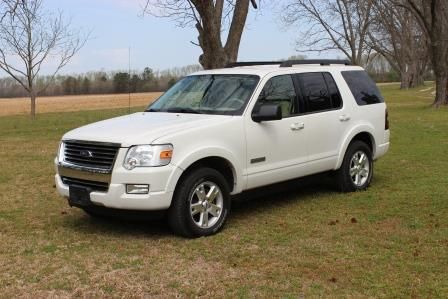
point(363, 133)
point(220, 160)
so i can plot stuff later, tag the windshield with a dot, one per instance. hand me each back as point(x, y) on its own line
point(209, 94)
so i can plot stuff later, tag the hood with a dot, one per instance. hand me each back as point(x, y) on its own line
point(141, 127)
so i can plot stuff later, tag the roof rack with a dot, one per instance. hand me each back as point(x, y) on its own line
point(290, 63)
point(252, 63)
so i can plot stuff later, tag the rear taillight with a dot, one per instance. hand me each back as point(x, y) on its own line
point(386, 124)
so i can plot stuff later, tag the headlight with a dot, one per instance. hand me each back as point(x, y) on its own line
point(148, 155)
point(61, 152)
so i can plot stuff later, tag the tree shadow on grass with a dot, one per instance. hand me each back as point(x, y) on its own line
point(155, 226)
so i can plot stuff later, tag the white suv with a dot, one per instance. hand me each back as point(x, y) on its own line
point(219, 132)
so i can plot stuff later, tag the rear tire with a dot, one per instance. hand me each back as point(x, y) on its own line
point(200, 204)
point(357, 168)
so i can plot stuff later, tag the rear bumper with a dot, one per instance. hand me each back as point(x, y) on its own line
point(382, 149)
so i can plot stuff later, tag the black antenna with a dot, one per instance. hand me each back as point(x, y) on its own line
point(129, 81)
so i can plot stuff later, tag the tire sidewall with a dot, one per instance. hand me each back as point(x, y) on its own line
point(186, 190)
point(352, 149)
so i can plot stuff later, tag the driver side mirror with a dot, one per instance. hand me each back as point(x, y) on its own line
point(267, 112)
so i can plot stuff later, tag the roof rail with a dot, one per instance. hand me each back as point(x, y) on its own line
point(252, 63)
point(289, 63)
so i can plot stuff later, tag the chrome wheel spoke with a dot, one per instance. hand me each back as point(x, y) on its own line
point(362, 159)
point(196, 208)
point(204, 219)
point(212, 193)
point(200, 192)
point(352, 171)
point(364, 172)
point(214, 210)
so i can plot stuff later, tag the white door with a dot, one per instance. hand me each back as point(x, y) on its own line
point(276, 150)
point(326, 119)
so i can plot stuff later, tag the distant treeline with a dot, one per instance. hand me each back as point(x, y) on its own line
point(102, 82)
point(148, 80)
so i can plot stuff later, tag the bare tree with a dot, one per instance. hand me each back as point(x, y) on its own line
point(30, 38)
point(210, 19)
point(332, 25)
point(433, 18)
point(396, 35)
point(8, 7)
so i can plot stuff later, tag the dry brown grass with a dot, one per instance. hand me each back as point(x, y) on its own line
point(296, 240)
point(76, 103)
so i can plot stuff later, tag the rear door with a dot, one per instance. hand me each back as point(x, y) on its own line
point(325, 116)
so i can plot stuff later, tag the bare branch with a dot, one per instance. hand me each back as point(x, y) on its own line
point(31, 38)
point(211, 19)
point(331, 24)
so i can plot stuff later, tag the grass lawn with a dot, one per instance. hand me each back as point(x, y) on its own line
point(389, 241)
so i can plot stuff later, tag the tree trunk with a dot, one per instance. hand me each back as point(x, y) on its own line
point(441, 91)
point(215, 54)
point(411, 75)
point(33, 104)
point(406, 79)
point(213, 58)
point(439, 56)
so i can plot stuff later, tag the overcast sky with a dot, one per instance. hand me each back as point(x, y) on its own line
point(117, 25)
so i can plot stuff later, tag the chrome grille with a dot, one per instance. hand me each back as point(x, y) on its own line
point(95, 186)
point(90, 154)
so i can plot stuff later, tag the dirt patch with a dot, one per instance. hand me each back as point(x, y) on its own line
point(19, 106)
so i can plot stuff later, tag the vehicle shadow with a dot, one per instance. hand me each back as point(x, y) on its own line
point(280, 194)
point(155, 226)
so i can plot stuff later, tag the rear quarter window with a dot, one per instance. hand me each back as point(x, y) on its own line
point(362, 87)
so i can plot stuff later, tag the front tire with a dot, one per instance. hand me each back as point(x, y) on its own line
point(200, 204)
point(357, 168)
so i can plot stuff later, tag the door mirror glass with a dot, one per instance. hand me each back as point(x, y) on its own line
point(267, 112)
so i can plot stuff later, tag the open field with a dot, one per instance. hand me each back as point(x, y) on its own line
point(305, 241)
point(18, 106)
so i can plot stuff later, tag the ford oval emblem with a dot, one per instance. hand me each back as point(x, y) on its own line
point(86, 154)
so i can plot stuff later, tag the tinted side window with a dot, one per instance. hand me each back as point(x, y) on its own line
point(279, 90)
point(315, 92)
point(362, 87)
point(336, 100)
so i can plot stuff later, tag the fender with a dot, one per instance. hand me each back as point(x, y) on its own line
point(206, 152)
point(359, 128)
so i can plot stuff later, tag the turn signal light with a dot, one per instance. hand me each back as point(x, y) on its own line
point(166, 154)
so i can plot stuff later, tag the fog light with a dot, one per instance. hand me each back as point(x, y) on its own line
point(137, 189)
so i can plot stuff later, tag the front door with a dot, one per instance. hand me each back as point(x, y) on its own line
point(276, 150)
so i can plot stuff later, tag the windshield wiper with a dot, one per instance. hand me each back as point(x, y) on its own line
point(182, 110)
point(152, 110)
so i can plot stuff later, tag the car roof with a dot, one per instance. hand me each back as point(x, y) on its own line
point(263, 70)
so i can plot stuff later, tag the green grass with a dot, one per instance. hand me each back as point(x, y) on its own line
point(309, 240)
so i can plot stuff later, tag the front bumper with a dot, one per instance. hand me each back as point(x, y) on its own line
point(117, 198)
point(161, 181)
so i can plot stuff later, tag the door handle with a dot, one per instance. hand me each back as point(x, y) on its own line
point(297, 126)
point(344, 117)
